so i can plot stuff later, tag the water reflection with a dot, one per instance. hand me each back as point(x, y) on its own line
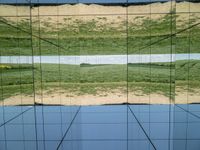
point(112, 127)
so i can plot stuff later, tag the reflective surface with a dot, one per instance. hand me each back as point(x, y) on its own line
point(99, 54)
point(66, 71)
point(112, 127)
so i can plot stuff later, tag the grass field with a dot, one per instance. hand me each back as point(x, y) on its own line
point(90, 79)
point(92, 37)
point(100, 35)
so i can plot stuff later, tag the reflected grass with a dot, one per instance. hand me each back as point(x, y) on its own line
point(96, 79)
point(95, 38)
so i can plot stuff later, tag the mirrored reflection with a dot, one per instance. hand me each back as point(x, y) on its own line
point(103, 80)
point(91, 76)
point(69, 73)
point(138, 73)
point(186, 42)
point(77, 38)
point(193, 89)
point(50, 72)
point(16, 78)
point(186, 116)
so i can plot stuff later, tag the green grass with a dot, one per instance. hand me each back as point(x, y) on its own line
point(86, 78)
point(91, 38)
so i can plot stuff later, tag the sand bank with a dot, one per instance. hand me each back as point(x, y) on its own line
point(109, 98)
point(103, 14)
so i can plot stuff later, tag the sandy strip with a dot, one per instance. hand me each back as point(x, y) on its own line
point(83, 9)
point(112, 98)
point(92, 12)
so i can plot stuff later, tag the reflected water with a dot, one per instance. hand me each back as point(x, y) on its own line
point(111, 127)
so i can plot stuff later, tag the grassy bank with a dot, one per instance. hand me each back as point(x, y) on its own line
point(94, 79)
point(99, 36)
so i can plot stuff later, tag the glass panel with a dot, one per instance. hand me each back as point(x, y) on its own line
point(141, 55)
point(17, 84)
point(194, 78)
point(139, 58)
point(155, 71)
point(17, 78)
point(103, 59)
point(187, 96)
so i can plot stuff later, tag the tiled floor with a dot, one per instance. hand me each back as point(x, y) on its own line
point(112, 127)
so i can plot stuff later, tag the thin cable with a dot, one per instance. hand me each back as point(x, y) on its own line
point(189, 112)
point(127, 78)
point(171, 67)
point(174, 34)
point(33, 74)
point(80, 147)
point(150, 30)
point(41, 80)
point(15, 117)
point(142, 128)
point(188, 68)
point(59, 69)
point(20, 77)
point(25, 31)
point(3, 105)
point(68, 128)
point(174, 96)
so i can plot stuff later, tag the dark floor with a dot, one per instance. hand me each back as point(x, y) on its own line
point(114, 127)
